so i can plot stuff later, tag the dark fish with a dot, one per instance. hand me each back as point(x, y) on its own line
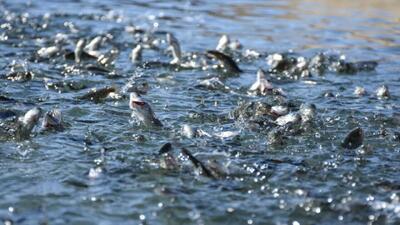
point(21, 76)
point(165, 148)
point(280, 62)
point(383, 92)
point(6, 99)
point(97, 69)
point(167, 160)
point(98, 94)
point(156, 65)
point(25, 123)
point(197, 163)
point(353, 67)
point(76, 183)
point(64, 85)
point(70, 55)
point(225, 60)
point(354, 139)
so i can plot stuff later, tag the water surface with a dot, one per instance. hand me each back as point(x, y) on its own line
point(309, 180)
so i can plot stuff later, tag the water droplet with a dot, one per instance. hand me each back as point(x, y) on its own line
point(371, 217)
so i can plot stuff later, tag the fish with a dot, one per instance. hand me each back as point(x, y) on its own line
point(174, 47)
point(197, 163)
point(62, 86)
point(223, 43)
point(98, 94)
point(26, 123)
point(97, 68)
point(353, 139)
point(94, 44)
point(167, 147)
point(79, 49)
point(383, 92)
point(262, 85)
point(21, 76)
point(279, 110)
point(142, 111)
point(226, 61)
point(188, 131)
point(136, 54)
point(70, 55)
point(48, 52)
point(52, 120)
point(167, 160)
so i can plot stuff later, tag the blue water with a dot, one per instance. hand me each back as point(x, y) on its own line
point(309, 180)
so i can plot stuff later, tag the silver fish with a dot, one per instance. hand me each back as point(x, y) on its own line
point(383, 92)
point(223, 43)
point(136, 54)
point(262, 85)
point(174, 47)
point(26, 123)
point(142, 111)
point(79, 50)
point(94, 44)
point(226, 61)
point(52, 120)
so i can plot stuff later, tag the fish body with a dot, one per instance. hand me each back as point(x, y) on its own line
point(227, 62)
point(175, 48)
point(142, 111)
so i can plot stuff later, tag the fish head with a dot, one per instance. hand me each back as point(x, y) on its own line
point(223, 43)
point(31, 117)
point(52, 119)
point(80, 44)
point(260, 74)
point(140, 108)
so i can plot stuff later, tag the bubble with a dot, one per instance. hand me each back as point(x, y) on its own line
point(317, 210)
point(230, 210)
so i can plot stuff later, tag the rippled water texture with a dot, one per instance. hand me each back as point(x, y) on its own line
point(103, 168)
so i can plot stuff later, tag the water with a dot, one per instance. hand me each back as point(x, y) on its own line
point(309, 180)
